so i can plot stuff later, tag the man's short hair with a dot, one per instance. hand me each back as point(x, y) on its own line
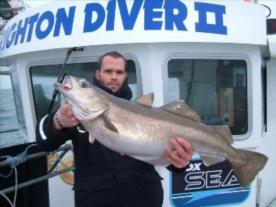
point(113, 54)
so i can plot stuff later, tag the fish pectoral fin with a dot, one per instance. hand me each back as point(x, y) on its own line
point(224, 132)
point(180, 108)
point(109, 125)
point(91, 138)
point(146, 100)
point(208, 161)
point(86, 115)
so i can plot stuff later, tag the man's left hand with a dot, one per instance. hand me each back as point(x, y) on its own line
point(179, 152)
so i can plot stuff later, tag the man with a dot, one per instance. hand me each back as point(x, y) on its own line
point(104, 178)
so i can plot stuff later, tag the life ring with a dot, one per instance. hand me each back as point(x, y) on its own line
point(67, 177)
point(68, 162)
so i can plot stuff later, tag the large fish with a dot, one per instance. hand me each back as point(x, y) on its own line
point(137, 129)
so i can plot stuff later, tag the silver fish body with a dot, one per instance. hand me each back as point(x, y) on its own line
point(143, 132)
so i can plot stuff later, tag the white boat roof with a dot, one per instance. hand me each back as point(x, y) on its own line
point(68, 24)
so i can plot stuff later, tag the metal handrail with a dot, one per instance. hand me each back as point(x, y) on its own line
point(36, 180)
point(16, 160)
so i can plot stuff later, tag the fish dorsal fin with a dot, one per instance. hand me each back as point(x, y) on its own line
point(182, 109)
point(224, 132)
point(145, 100)
point(208, 161)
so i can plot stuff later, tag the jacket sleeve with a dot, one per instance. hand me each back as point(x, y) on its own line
point(49, 138)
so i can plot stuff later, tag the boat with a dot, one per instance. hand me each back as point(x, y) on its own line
point(218, 56)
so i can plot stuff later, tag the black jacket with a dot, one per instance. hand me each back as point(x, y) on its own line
point(97, 167)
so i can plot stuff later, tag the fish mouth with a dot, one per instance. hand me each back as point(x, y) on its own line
point(79, 111)
point(65, 86)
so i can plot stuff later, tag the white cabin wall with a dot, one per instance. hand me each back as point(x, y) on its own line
point(268, 178)
point(268, 188)
point(56, 185)
point(271, 4)
point(29, 112)
point(151, 64)
point(155, 59)
point(57, 188)
point(17, 65)
point(23, 62)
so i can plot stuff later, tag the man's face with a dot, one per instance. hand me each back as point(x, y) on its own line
point(112, 73)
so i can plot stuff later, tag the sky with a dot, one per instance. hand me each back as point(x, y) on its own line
point(34, 3)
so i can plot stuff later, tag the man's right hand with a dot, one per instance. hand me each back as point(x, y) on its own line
point(64, 117)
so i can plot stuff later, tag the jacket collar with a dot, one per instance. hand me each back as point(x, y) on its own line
point(125, 91)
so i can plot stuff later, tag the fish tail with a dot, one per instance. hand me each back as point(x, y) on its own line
point(253, 163)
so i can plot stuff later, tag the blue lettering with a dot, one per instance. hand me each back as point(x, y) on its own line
point(129, 19)
point(89, 9)
point(65, 21)
point(203, 25)
point(151, 14)
point(4, 39)
point(171, 13)
point(50, 18)
point(32, 20)
point(177, 19)
point(21, 31)
point(111, 7)
point(11, 36)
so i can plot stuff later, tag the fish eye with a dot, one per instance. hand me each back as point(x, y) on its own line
point(84, 83)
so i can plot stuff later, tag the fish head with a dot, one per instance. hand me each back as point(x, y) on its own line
point(86, 100)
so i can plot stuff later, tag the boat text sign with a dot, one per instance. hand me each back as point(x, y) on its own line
point(83, 23)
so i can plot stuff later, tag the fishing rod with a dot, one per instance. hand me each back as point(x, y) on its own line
point(62, 74)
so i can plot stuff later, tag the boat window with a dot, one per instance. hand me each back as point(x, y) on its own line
point(12, 124)
point(43, 77)
point(215, 89)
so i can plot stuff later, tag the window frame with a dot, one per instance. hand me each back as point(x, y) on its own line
point(21, 125)
point(78, 60)
point(215, 56)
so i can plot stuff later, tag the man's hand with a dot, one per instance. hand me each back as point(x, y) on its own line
point(64, 117)
point(179, 152)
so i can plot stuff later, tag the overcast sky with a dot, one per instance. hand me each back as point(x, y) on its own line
point(34, 3)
